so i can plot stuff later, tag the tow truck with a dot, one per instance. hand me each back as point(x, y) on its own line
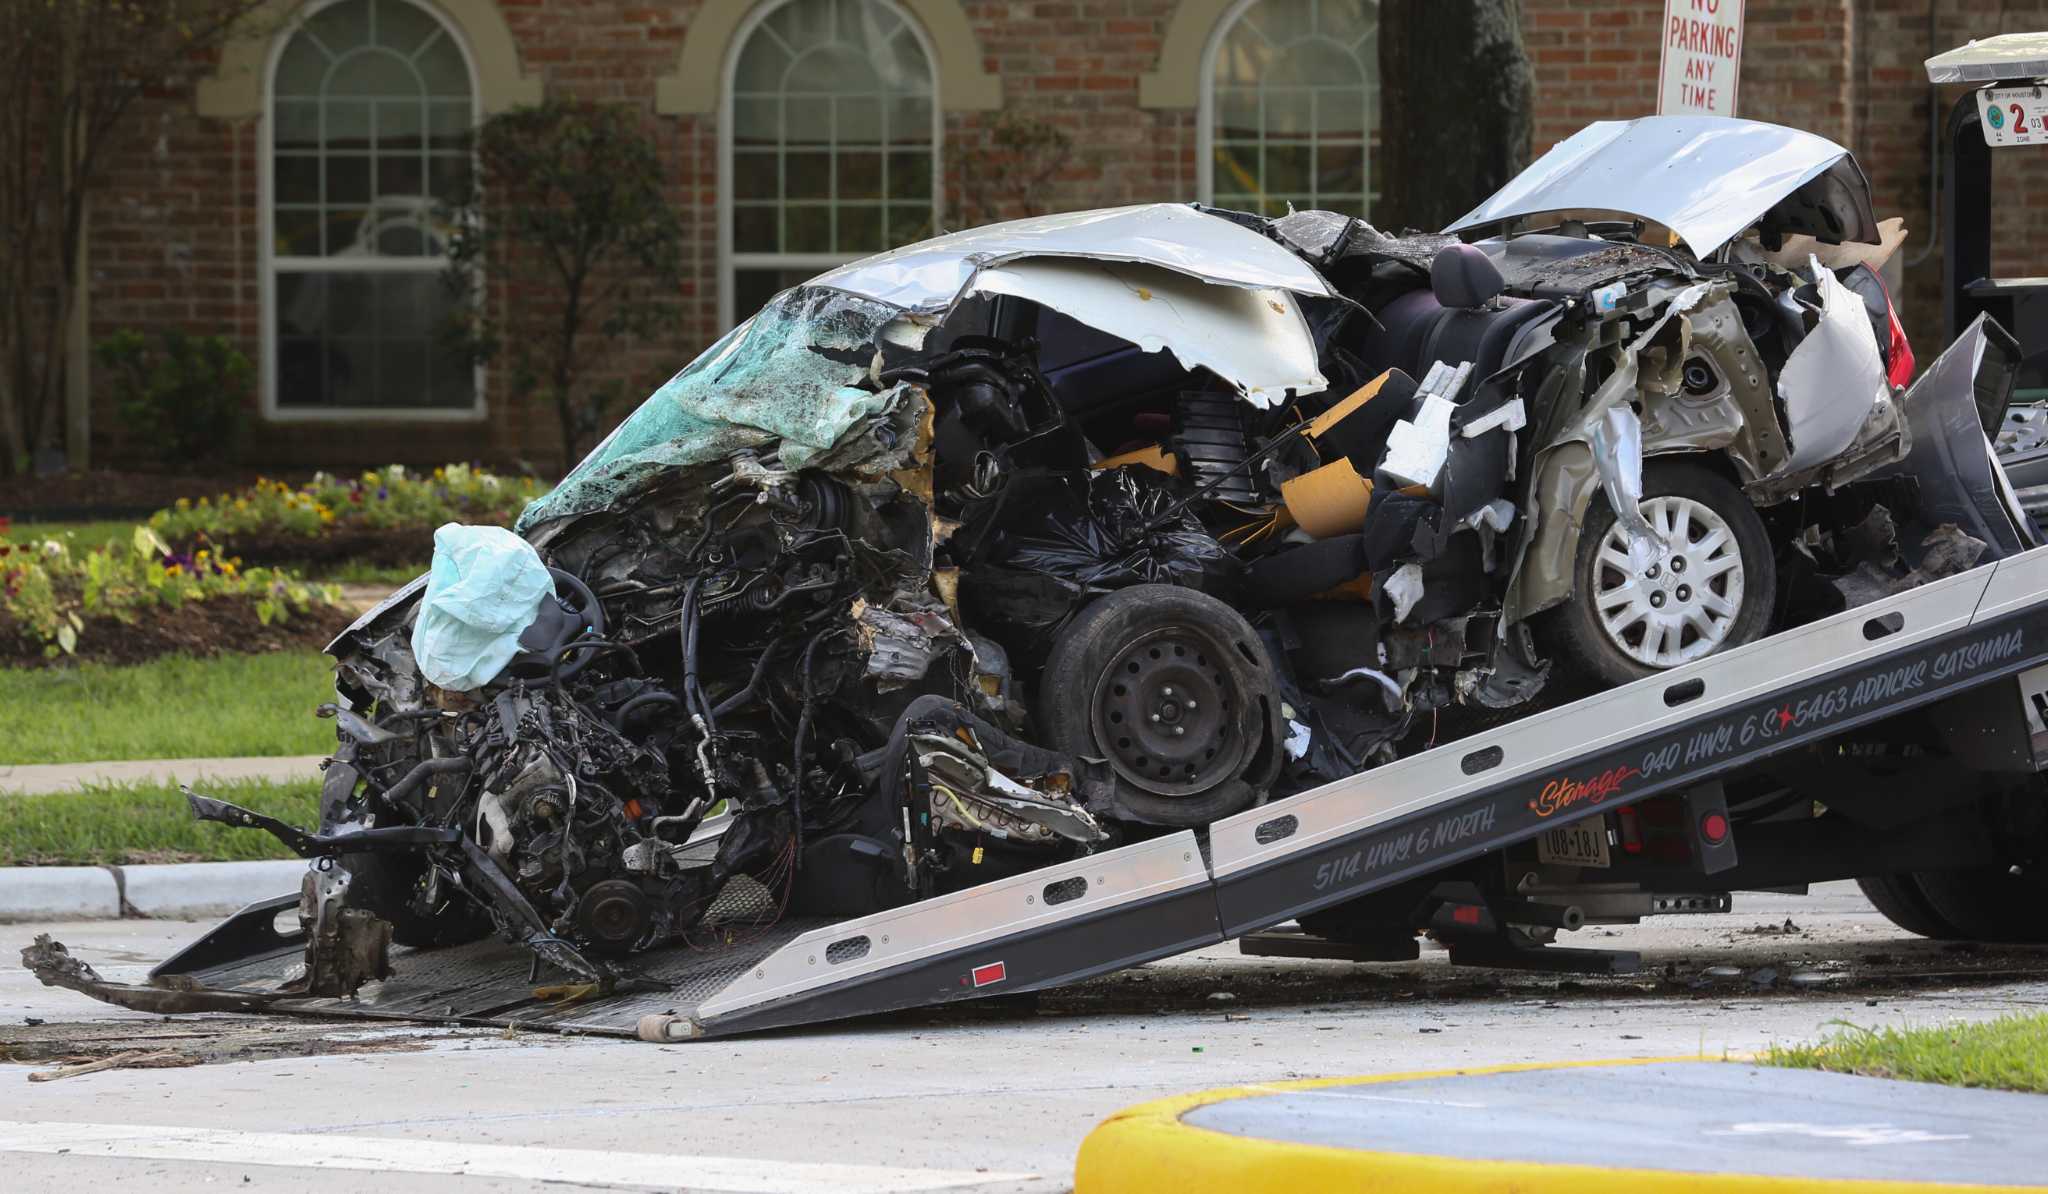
point(1899, 742)
point(1903, 739)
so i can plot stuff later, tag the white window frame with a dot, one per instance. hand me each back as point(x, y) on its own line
point(1205, 110)
point(730, 262)
point(270, 263)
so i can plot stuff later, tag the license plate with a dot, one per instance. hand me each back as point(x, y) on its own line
point(2013, 115)
point(1581, 843)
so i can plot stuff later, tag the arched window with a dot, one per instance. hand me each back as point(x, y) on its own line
point(1290, 106)
point(831, 144)
point(370, 106)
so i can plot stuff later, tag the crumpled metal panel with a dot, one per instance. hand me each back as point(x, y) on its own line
point(1707, 178)
point(1832, 380)
point(930, 275)
point(1257, 340)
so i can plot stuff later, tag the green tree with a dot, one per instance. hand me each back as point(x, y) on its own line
point(183, 399)
point(71, 73)
point(570, 219)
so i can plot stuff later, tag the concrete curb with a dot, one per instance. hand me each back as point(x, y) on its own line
point(27, 779)
point(30, 893)
point(170, 892)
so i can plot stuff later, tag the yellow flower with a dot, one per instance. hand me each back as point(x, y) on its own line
point(173, 569)
point(184, 503)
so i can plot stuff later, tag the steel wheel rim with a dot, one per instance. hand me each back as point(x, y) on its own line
point(1683, 606)
point(1165, 713)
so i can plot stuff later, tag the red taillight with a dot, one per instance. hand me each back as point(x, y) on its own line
point(1714, 828)
point(1899, 353)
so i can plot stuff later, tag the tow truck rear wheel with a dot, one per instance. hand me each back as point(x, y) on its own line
point(1710, 588)
point(1899, 898)
point(1175, 690)
point(1989, 903)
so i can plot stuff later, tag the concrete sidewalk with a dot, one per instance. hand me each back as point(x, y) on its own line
point(28, 779)
point(162, 890)
point(1620, 1127)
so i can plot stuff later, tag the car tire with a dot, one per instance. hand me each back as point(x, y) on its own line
point(1705, 611)
point(1899, 899)
point(1989, 903)
point(1174, 689)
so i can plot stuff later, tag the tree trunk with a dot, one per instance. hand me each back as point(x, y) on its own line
point(565, 370)
point(1455, 99)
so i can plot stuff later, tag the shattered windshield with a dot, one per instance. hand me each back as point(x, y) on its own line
point(789, 375)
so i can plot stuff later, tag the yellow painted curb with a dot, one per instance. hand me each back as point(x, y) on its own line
point(1146, 1149)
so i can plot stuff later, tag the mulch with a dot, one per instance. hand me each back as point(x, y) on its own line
point(317, 553)
point(218, 626)
point(112, 493)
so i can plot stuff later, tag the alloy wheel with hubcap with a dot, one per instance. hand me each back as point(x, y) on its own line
point(1709, 584)
point(1684, 604)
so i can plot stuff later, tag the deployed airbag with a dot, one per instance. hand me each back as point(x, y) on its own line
point(485, 587)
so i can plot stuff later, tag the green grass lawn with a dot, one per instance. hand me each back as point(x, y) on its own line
point(172, 708)
point(2009, 1053)
point(83, 536)
point(146, 823)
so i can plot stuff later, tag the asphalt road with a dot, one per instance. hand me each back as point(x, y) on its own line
point(992, 1097)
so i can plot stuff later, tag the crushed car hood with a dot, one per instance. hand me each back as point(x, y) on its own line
point(931, 275)
point(1163, 276)
point(1707, 178)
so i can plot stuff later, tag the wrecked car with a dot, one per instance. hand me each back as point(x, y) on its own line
point(1040, 538)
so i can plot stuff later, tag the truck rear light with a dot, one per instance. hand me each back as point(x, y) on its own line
point(1714, 828)
point(1630, 830)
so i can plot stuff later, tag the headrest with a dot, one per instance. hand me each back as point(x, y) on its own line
point(1464, 276)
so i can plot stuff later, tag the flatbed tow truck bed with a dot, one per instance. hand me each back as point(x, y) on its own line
point(1249, 872)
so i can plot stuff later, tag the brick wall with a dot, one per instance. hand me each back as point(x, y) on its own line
point(174, 239)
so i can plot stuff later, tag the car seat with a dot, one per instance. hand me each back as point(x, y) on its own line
point(1462, 316)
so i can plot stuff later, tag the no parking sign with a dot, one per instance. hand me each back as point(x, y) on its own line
point(1702, 57)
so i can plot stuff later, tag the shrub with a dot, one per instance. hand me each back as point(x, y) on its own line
point(185, 399)
point(392, 499)
point(50, 591)
point(570, 200)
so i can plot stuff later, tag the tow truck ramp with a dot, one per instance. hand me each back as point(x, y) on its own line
point(1185, 890)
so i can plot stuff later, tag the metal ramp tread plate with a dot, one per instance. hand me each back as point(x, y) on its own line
point(487, 982)
point(1168, 895)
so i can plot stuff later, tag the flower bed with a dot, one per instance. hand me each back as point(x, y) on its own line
point(141, 595)
point(383, 517)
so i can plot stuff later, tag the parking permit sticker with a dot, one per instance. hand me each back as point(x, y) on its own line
point(2013, 115)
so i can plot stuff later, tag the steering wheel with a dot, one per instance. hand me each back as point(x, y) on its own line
point(574, 612)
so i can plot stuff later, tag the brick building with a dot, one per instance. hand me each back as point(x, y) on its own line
point(283, 201)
